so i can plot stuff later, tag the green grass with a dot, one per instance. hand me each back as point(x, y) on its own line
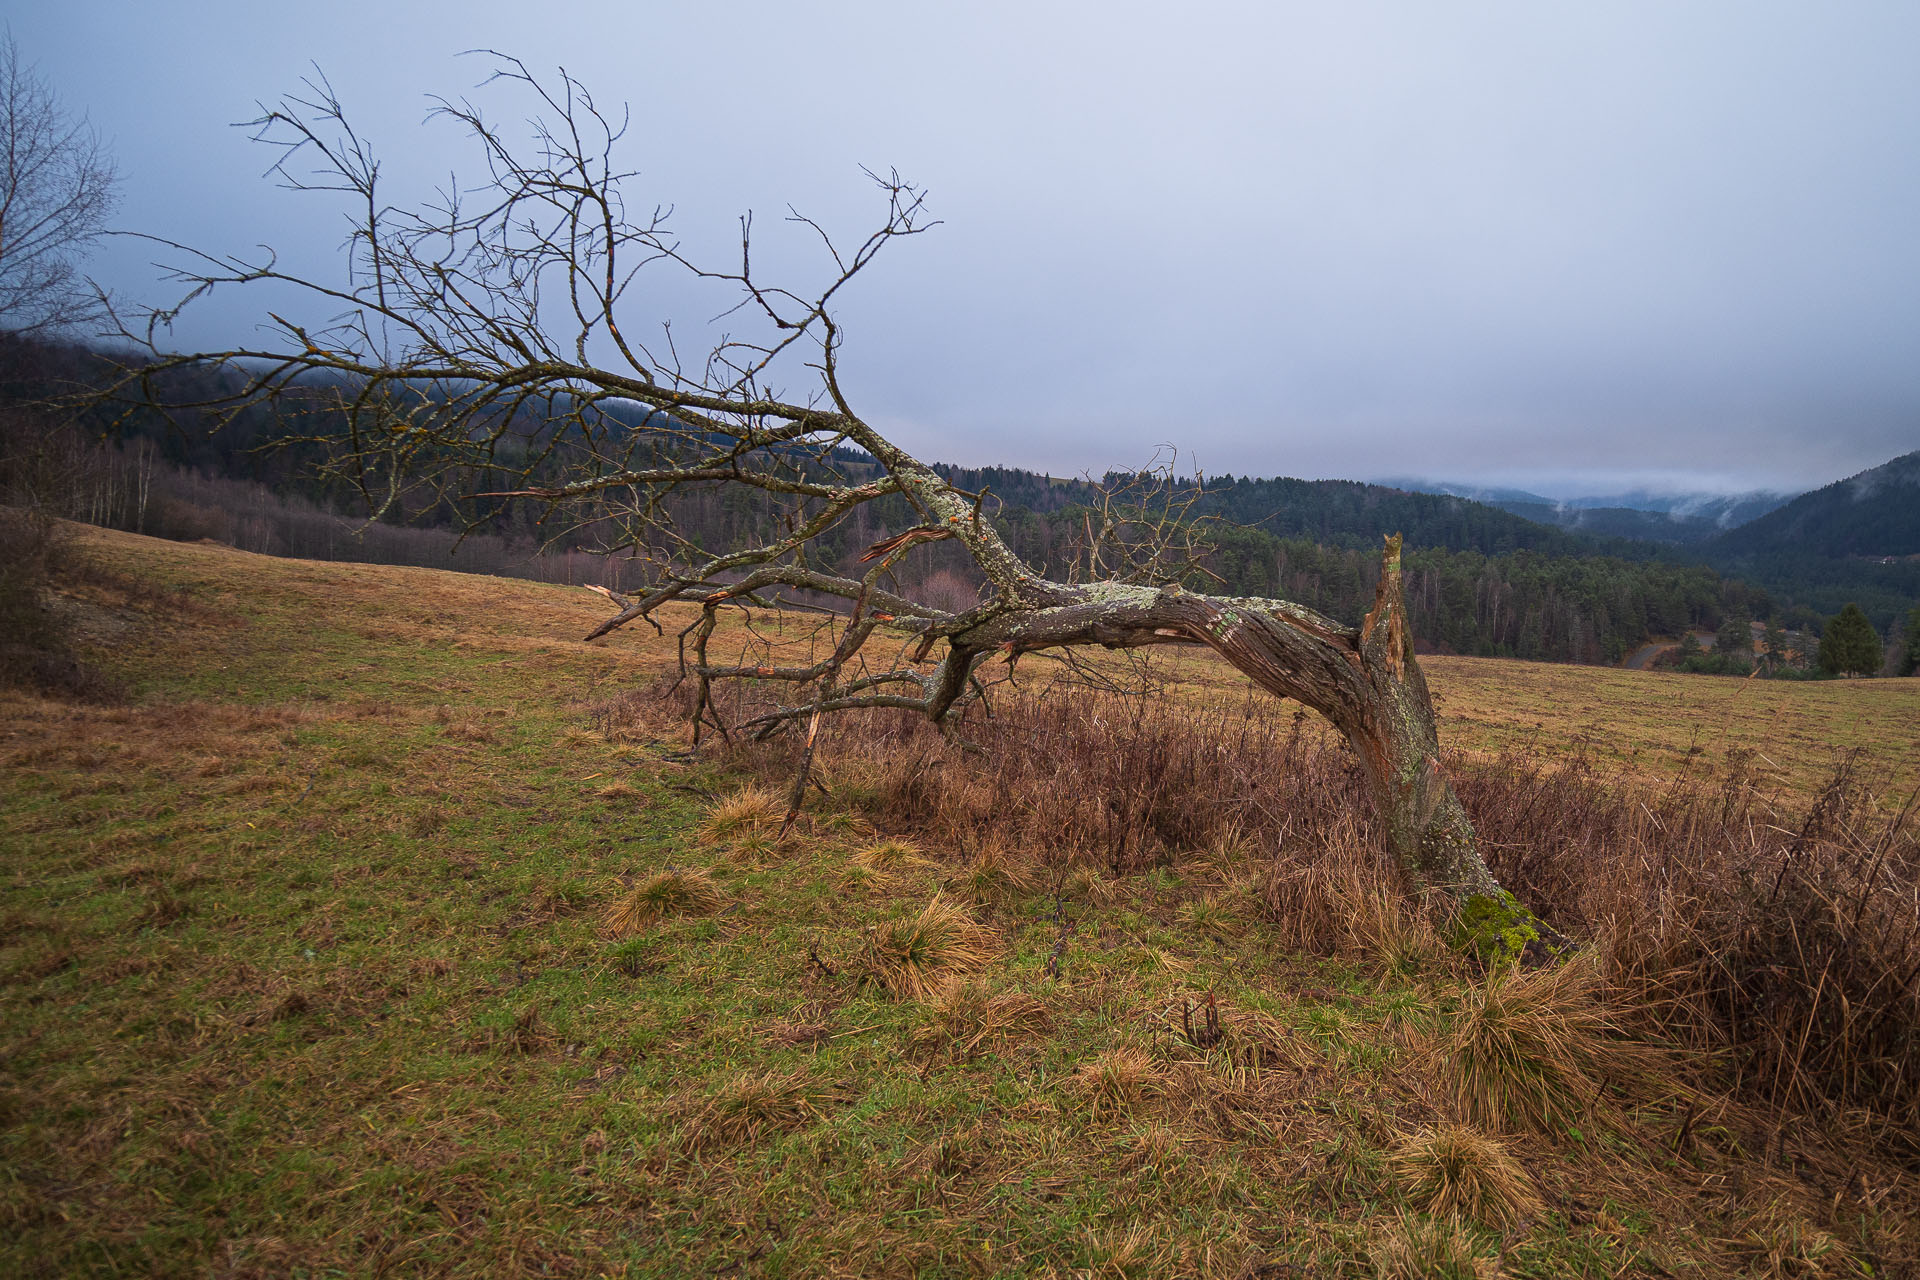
point(303, 971)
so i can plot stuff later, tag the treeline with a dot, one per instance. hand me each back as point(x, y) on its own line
point(1521, 605)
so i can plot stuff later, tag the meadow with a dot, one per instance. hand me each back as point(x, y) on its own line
point(379, 926)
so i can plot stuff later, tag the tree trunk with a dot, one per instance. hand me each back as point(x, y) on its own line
point(1365, 680)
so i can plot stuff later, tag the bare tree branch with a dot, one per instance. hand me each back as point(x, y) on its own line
point(56, 190)
point(484, 346)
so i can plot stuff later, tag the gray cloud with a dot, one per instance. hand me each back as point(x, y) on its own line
point(1643, 242)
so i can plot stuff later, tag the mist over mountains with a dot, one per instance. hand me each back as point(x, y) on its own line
point(1679, 518)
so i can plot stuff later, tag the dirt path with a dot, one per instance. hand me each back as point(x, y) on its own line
point(1643, 657)
point(1639, 659)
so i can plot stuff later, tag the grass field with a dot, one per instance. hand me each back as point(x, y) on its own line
point(362, 938)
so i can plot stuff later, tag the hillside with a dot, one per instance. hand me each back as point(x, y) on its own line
point(1484, 581)
point(387, 928)
point(1870, 515)
point(1853, 541)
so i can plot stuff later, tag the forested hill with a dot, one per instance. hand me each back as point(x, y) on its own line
point(1335, 513)
point(1677, 519)
point(1349, 513)
point(1874, 514)
point(1856, 541)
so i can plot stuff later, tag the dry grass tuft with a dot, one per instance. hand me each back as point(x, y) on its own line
point(526, 1037)
point(794, 1033)
point(1136, 1250)
point(966, 1017)
point(995, 873)
point(863, 879)
point(1534, 1049)
point(1780, 1245)
point(1154, 1146)
point(1118, 1081)
point(1455, 1171)
point(638, 716)
point(891, 854)
point(618, 791)
point(1212, 916)
point(1307, 904)
point(750, 816)
point(1397, 932)
point(673, 892)
point(753, 1103)
point(466, 726)
point(918, 957)
point(1414, 1248)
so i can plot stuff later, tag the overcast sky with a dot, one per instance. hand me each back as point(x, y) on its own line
point(1571, 247)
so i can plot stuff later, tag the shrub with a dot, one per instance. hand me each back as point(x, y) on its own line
point(36, 647)
point(1778, 947)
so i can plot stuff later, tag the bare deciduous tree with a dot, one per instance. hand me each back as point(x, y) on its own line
point(56, 190)
point(492, 331)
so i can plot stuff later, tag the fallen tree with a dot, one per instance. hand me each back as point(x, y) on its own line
point(484, 350)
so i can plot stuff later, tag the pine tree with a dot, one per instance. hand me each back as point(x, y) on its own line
point(1910, 665)
point(1776, 645)
point(1735, 634)
point(1850, 645)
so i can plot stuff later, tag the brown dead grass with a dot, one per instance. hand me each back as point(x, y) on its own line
point(969, 1017)
point(749, 814)
point(1775, 946)
point(1416, 1248)
point(1762, 939)
point(752, 1104)
point(892, 854)
point(1118, 1081)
